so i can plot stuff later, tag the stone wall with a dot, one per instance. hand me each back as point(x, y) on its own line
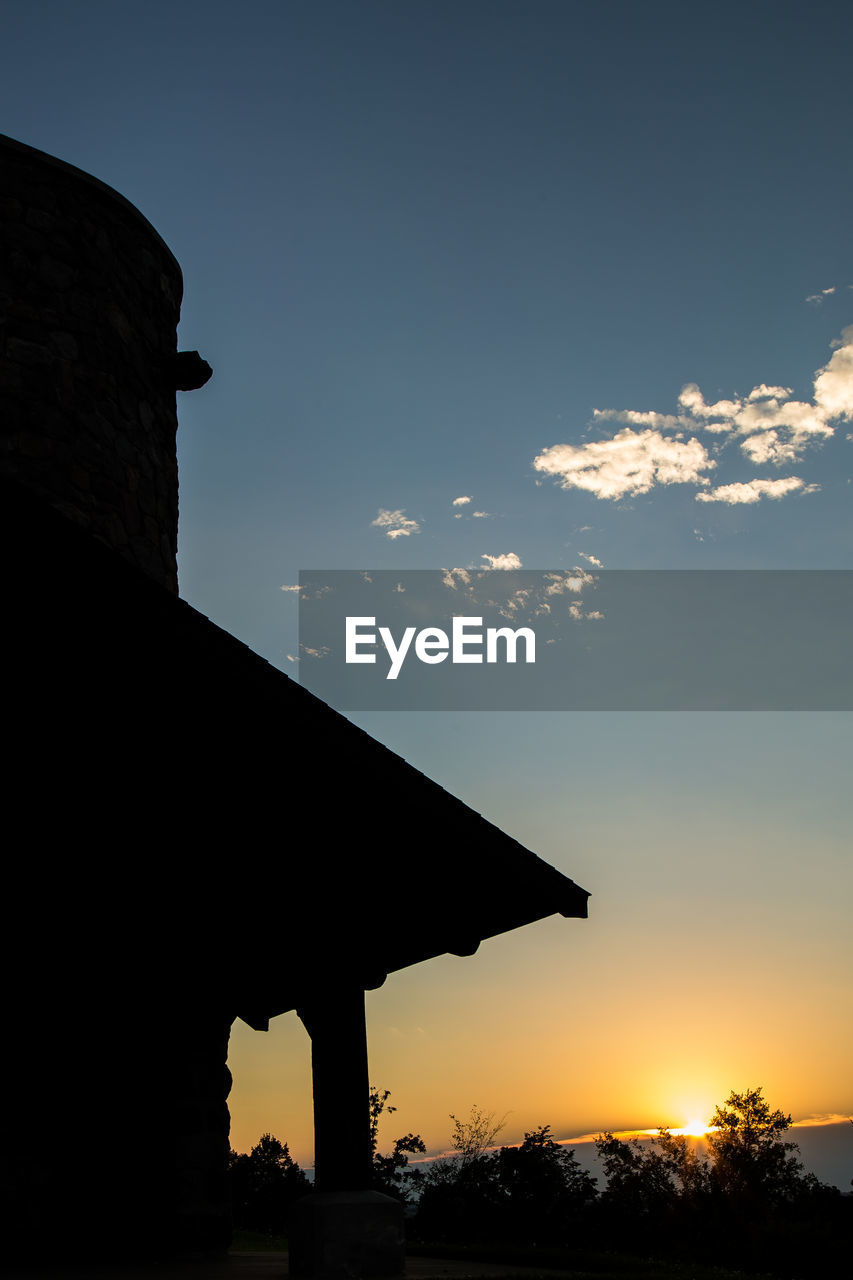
point(89, 304)
point(116, 1133)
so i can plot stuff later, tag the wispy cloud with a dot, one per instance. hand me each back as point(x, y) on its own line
point(291, 588)
point(555, 595)
point(818, 1120)
point(395, 524)
point(591, 559)
point(654, 449)
point(817, 298)
point(465, 501)
point(321, 652)
point(755, 490)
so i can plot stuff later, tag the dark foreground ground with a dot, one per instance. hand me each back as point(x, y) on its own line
point(257, 1265)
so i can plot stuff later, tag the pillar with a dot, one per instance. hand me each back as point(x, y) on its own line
point(343, 1229)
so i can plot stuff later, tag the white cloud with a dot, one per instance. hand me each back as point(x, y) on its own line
point(480, 515)
point(691, 399)
point(763, 392)
point(794, 420)
point(461, 502)
point(315, 593)
point(817, 298)
point(576, 580)
point(576, 611)
point(295, 588)
point(591, 559)
point(519, 599)
point(632, 462)
point(755, 490)
point(639, 418)
point(769, 427)
point(454, 577)
point(833, 388)
point(508, 561)
point(396, 524)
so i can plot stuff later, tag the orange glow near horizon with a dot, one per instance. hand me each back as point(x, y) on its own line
point(694, 1127)
point(647, 1014)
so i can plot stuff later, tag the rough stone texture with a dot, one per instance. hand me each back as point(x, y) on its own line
point(89, 304)
point(198, 1122)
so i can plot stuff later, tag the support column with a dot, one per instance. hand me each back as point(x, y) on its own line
point(343, 1229)
point(338, 1034)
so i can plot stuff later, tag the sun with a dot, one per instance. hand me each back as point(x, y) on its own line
point(694, 1127)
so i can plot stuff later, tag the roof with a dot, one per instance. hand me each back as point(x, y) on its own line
point(265, 840)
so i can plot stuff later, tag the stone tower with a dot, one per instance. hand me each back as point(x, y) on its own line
point(89, 304)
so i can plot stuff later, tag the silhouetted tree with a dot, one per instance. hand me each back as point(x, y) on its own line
point(471, 1139)
point(640, 1179)
point(263, 1185)
point(751, 1162)
point(544, 1187)
point(461, 1195)
point(378, 1105)
point(531, 1194)
point(750, 1203)
point(391, 1173)
point(689, 1171)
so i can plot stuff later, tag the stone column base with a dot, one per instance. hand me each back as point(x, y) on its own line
point(336, 1235)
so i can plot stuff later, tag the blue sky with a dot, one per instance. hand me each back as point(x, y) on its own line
point(423, 244)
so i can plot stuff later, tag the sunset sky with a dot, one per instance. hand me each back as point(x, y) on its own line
point(549, 283)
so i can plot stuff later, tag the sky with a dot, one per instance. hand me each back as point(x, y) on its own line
point(548, 284)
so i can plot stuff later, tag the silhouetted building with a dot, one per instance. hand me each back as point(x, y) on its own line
point(191, 837)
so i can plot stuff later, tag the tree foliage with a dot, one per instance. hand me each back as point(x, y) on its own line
point(264, 1183)
point(391, 1173)
point(748, 1161)
point(751, 1162)
point(472, 1138)
point(543, 1187)
point(749, 1201)
point(741, 1197)
point(530, 1193)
